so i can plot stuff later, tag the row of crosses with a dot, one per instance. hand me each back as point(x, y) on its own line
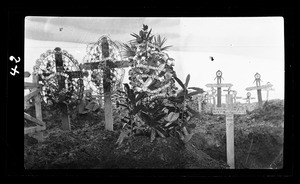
point(231, 107)
point(231, 96)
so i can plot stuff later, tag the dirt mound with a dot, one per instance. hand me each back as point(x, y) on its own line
point(91, 147)
point(258, 136)
point(258, 144)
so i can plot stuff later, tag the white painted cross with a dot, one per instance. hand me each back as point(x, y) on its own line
point(235, 97)
point(229, 100)
point(268, 89)
point(200, 101)
point(229, 112)
point(259, 87)
point(219, 85)
point(212, 96)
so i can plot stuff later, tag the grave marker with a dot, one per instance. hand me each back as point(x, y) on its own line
point(229, 112)
point(219, 85)
point(212, 96)
point(108, 64)
point(229, 99)
point(258, 87)
point(268, 89)
point(235, 97)
point(59, 64)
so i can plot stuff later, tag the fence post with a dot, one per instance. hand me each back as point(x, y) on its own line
point(38, 109)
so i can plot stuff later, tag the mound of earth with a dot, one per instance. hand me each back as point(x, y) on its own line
point(91, 147)
point(258, 144)
point(258, 136)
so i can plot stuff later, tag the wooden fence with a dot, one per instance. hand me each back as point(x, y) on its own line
point(35, 88)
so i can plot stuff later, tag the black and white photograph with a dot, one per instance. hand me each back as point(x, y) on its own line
point(154, 92)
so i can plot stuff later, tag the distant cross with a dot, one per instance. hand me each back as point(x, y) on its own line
point(257, 79)
point(219, 76)
point(258, 87)
point(229, 100)
point(200, 99)
point(212, 95)
point(235, 97)
point(248, 98)
point(268, 89)
point(219, 85)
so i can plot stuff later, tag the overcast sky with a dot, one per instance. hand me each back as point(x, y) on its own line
point(253, 44)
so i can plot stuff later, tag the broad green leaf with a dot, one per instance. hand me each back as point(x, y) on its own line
point(180, 82)
point(172, 116)
point(137, 109)
point(196, 88)
point(140, 96)
point(123, 105)
point(160, 134)
point(187, 80)
point(121, 91)
point(176, 99)
point(159, 117)
point(194, 93)
point(126, 87)
point(180, 135)
point(185, 130)
point(181, 93)
point(148, 33)
point(146, 118)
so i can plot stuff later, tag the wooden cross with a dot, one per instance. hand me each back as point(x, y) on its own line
point(212, 96)
point(106, 83)
point(229, 98)
point(201, 99)
point(219, 85)
point(268, 89)
point(259, 87)
point(248, 98)
point(229, 112)
point(61, 85)
point(235, 97)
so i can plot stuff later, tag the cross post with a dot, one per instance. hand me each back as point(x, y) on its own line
point(259, 87)
point(229, 112)
point(268, 89)
point(61, 85)
point(219, 92)
point(59, 64)
point(219, 85)
point(106, 79)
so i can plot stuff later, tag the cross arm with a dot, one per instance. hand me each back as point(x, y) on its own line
point(77, 74)
point(109, 63)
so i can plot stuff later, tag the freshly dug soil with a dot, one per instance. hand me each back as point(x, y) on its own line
point(258, 143)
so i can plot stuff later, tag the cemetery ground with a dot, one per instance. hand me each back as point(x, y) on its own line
point(258, 143)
